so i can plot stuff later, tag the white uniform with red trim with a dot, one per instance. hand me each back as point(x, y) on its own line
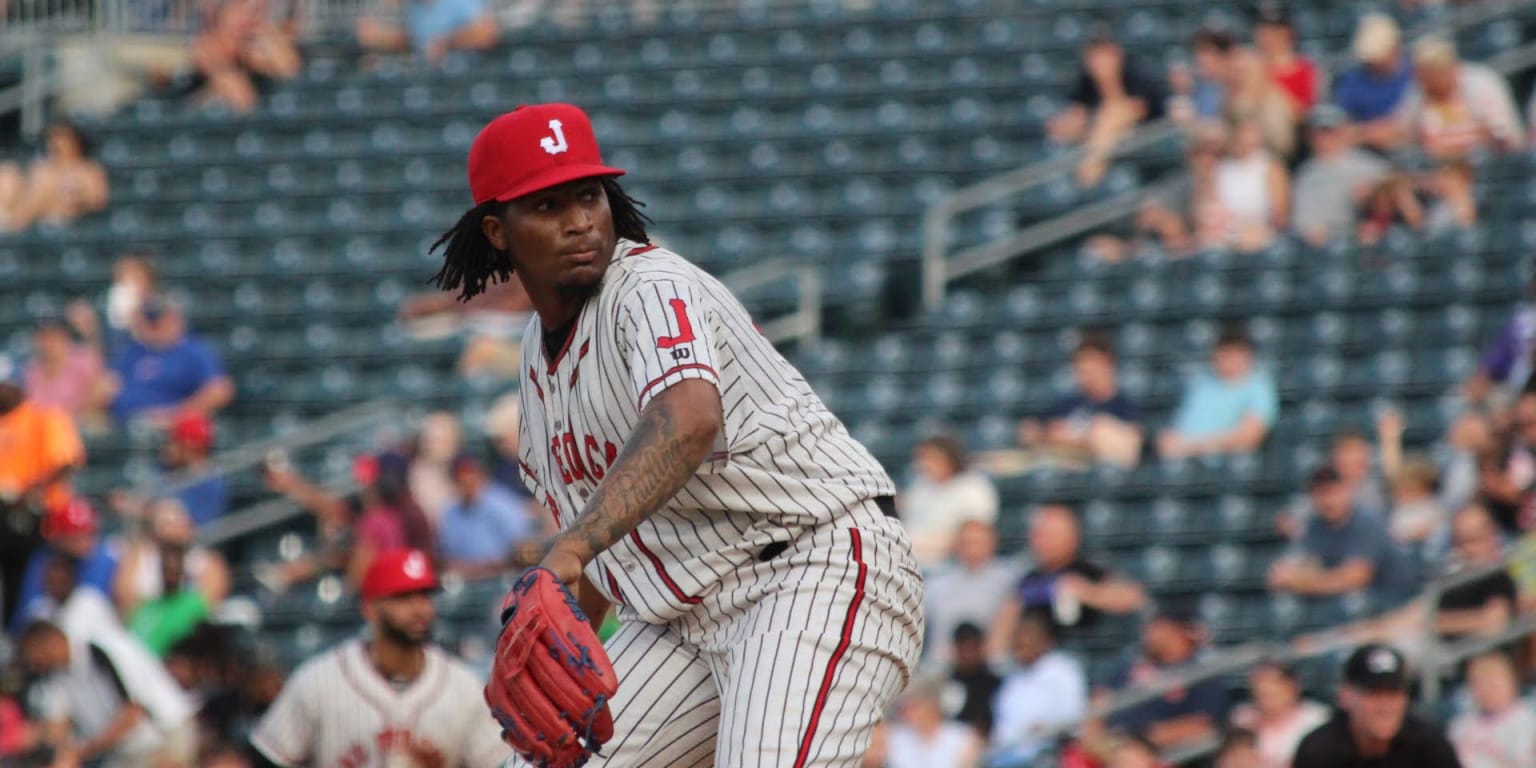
point(337, 711)
point(771, 609)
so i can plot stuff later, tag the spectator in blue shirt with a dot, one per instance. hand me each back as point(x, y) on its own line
point(184, 475)
point(1228, 410)
point(1344, 550)
point(479, 531)
point(1096, 421)
point(1208, 87)
point(431, 28)
point(162, 370)
point(1171, 643)
point(1371, 89)
point(185, 458)
point(68, 530)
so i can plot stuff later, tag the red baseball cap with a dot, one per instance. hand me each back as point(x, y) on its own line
point(397, 572)
point(194, 429)
point(531, 148)
point(73, 519)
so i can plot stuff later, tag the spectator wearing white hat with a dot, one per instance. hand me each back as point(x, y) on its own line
point(1371, 89)
point(1457, 107)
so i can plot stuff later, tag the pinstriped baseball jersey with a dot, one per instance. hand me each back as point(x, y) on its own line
point(782, 465)
point(336, 711)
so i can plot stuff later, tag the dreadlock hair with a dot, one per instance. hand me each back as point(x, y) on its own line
point(471, 263)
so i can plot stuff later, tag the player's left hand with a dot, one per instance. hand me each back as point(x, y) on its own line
point(551, 680)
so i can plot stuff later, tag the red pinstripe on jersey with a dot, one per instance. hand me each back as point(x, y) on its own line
point(613, 586)
point(670, 371)
point(581, 354)
point(564, 347)
point(837, 654)
point(661, 570)
point(533, 378)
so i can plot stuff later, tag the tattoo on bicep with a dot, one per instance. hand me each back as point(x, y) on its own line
point(654, 464)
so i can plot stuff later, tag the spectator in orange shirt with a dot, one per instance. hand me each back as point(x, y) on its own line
point(38, 448)
point(1276, 40)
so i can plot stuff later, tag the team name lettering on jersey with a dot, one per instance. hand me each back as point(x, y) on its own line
point(580, 457)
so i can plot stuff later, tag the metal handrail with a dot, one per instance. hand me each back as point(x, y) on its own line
point(802, 324)
point(980, 257)
point(1432, 665)
point(937, 270)
point(356, 418)
point(262, 515)
point(347, 421)
point(938, 219)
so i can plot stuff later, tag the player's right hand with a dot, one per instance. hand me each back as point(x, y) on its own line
point(565, 566)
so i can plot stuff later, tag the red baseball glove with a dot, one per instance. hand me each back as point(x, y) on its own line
point(551, 681)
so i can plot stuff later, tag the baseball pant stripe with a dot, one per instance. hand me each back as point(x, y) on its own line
point(837, 655)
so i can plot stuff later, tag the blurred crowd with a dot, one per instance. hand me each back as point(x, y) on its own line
point(1276, 148)
point(239, 51)
point(124, 643)
point(127, 636)
point(1372, 526)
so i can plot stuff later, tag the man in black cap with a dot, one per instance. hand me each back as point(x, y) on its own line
point(1373, 727)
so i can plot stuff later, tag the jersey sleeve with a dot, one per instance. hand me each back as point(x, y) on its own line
point(667, 337)
point(286, 733)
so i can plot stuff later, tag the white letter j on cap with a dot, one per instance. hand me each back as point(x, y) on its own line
point(555, 144)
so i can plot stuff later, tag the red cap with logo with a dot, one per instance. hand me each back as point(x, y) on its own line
point(194, 429)
point(533, 147)
point(397, 572)
point(73, 519)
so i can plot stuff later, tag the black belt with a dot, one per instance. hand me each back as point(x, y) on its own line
point(887, 505)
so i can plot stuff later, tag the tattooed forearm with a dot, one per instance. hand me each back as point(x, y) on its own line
point(674, 436)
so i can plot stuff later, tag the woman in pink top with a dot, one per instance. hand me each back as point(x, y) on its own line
point(64, 374)
point(383, 516)
point(1278, 716)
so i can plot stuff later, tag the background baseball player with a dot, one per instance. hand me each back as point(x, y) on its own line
point(771, 605)
point(390, 699)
